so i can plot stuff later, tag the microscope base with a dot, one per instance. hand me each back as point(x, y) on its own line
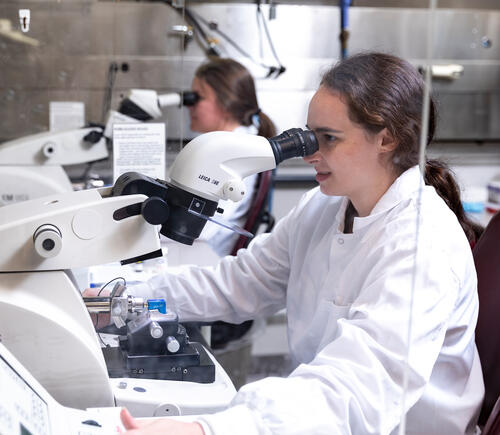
point(156, 398)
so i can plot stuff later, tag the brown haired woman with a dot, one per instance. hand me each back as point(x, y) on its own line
point(228, 102)
point(350, 263)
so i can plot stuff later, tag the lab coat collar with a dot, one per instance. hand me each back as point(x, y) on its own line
point(407, 183)
point(247, 129)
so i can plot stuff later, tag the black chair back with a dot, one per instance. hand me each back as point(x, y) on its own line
point(487, 260)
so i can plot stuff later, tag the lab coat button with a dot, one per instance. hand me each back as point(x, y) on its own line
point(340, 241)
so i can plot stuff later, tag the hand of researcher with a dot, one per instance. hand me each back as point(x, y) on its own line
point(164, 426)
point(103, 319)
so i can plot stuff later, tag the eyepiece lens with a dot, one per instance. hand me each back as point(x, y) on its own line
point(190, 98)
point(293, 143)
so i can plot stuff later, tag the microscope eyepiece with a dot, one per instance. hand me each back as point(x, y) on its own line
point(293, 143)
point(190, 98)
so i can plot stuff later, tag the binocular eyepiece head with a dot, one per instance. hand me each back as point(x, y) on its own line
point(293, 143)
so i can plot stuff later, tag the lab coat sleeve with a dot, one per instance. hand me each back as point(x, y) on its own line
point(239, 288)
point(354, 385)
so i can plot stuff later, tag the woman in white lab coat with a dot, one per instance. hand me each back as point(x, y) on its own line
point(350, 263)
point(228, 102)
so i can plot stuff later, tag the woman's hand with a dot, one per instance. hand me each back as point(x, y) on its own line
point(164, 426)
point(103, 319)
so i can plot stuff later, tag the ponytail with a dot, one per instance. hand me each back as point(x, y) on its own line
point(266, 126)
point(438, 175)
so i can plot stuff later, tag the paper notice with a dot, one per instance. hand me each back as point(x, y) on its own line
point(139, 148)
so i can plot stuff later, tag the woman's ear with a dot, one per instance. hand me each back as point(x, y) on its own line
point(387, 142)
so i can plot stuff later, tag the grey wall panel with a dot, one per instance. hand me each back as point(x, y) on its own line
point(29, 113)
point(423, 4)
point(467, 116)
point(162, 74)
point(80, 39)
point(443, 4)
point(143, 30)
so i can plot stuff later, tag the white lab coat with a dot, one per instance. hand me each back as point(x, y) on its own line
point(348, 298)
point(221, 239)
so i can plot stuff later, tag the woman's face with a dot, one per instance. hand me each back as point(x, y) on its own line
point(349, 160)
point(207, 114)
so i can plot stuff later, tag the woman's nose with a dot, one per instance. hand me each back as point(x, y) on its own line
point(312, 158)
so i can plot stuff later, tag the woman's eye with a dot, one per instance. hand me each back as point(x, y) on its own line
point(329, 138)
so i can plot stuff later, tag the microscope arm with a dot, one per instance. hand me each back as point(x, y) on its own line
point(146, 104)
point(142, 105)
point(68, 147)
point(32, 166)
point(74, 229)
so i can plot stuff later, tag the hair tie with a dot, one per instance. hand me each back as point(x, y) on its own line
point(256, 119)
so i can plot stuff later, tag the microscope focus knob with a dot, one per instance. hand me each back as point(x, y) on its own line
point(47, 240)
point(173, 345)
point(155, 210)
point(234, 190)
point(49, 149)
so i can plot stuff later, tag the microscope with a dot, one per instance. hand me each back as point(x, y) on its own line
point(141, 105)
point(45, 322)
point(32, 166)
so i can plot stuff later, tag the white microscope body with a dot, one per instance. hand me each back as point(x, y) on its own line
point(32, 166)
point(43, 319)
point(145, 105)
